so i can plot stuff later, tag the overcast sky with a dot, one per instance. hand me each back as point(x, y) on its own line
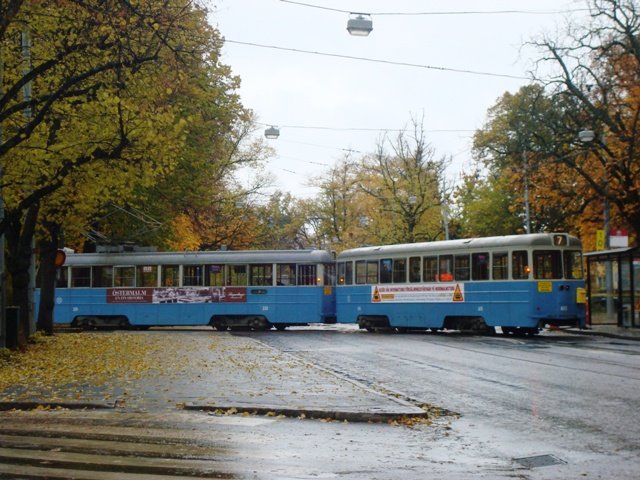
point(326, 105)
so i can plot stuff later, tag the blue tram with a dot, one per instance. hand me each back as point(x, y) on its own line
point(223, 289)
point(519, 283)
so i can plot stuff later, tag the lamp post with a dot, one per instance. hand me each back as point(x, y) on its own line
point(359, 24)
point(527, 208)
point(587, 136)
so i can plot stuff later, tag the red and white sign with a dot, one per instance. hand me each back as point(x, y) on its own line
point(619, 238)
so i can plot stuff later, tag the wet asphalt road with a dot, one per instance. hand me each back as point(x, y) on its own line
point(556, 398)
point(558, 406)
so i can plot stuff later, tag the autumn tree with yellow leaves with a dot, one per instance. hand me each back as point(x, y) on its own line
point(92, 110)
point(533, 136)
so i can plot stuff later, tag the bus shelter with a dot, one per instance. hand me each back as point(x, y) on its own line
point(613, 287)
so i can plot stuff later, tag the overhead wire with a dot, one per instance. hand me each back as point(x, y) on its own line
point(374, 60)
point(459, 12)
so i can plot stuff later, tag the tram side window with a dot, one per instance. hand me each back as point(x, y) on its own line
point(462, 267)
point(400, 270)
point(80, 276)
point(214, 275)
point(170, 275)
point(430, 269)
point(366, 272)
point(445, 268)
point(307, 275)
point(192, 275)
point(480, 266)
point(361, 272)
point(573, 265)
point(342, 273)
point(372, 272)
point(147, 276)
point(386, 270)
point(124, 276)
point(520, 268)
point(237, 275)
point(547, 264)
point(348, 273)
point(261, 274)
point(414, 270)
point(286, 274)
point(62, 277)
point(329, 274)
point(102, 276)
point(500, 266)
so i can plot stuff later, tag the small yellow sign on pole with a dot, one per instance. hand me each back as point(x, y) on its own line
point(600, 240)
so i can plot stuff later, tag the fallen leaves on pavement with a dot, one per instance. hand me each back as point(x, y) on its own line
point(76, 363)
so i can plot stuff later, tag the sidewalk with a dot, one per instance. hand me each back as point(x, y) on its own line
point(612, 331)
point(195, 370)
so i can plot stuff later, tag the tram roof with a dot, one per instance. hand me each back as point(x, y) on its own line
point(200, 258)
point(506, 241)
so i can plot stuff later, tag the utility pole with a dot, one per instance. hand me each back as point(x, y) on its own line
point(527, 210)
point(3, 325)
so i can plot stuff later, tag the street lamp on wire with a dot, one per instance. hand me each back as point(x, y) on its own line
point(359, 24)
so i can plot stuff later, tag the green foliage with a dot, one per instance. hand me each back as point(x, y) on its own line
point(487, 207)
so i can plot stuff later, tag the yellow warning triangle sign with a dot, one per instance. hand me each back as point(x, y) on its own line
point(457, 294)
point(376, 295)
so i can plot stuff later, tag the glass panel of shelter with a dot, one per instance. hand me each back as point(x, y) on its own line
point(603, 281)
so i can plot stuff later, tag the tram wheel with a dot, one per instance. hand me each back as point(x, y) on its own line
point(219, 325)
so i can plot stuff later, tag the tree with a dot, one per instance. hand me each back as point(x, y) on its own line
point(597, 78)
point(339, 214)
point(487, 205)
point(518, 149)
point(407, 187)
point(71, 106)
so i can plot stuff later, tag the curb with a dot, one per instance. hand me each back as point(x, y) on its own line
point(34, 405)
point(342, 415)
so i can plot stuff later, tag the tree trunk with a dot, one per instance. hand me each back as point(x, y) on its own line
point(47, 276)
point(19, 236)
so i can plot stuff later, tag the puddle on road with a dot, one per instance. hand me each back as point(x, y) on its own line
point(237, 420)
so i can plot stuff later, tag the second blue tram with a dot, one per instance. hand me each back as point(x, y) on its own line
point(519, 283)
point(223, 289)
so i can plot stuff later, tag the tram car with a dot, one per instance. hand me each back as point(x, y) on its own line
point(224, 289)
point(519, 283)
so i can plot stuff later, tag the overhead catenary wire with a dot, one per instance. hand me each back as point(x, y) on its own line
point(375, 60)
point(451, 12)
point(364, 129)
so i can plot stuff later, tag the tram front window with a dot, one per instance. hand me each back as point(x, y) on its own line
point(547, 264)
